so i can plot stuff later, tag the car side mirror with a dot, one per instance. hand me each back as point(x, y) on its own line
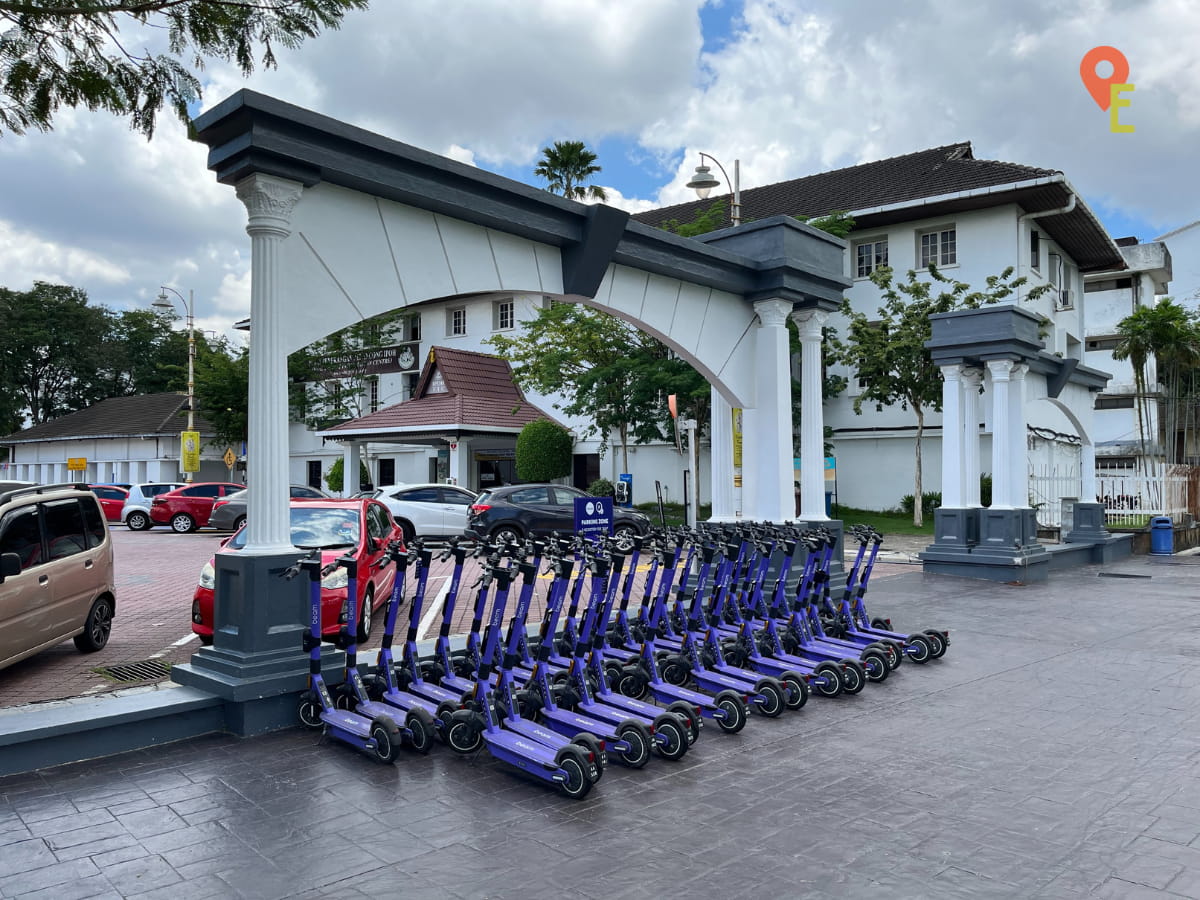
point(10, 564)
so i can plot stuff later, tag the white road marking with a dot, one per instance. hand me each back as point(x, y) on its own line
point(179, 643)
point(435, 607)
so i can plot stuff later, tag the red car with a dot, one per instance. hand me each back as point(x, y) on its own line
point(112, 499)
point(187, 508)
point(362, 527)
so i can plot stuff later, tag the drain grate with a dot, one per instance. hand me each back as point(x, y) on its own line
point(146, 670)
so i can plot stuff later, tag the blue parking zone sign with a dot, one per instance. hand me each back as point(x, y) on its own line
point(593, 515)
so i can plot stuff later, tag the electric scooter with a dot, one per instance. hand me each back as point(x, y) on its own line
point(378, 735)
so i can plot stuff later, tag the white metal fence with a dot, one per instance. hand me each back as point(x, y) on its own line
point(1131, 498)
point(1049, 486)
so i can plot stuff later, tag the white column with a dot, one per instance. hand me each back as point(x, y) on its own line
point(721, 461)
point(768, 427)
point(812, 416)
point(1002, 444)
point(971, 379)
point(460, 462)
point(952, 438)
point(269, 202)
point(1087, 472)
point(1019, 437)
point(351, 461)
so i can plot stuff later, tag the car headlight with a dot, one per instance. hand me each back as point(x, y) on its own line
point(338, 578)
point(208, 576)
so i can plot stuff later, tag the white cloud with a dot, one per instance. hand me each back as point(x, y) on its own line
point(26, 258)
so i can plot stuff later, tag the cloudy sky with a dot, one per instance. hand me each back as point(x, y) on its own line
point(789, 87)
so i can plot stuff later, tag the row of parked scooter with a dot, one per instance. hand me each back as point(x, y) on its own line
point(718, 634)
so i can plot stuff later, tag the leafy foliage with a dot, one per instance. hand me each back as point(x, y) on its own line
point(610, 372)
point(837, 223)
point(80, 53)
point(543, 451)
point(716, 216)
point(568, 166)
point(335, 478)
point(222, 393)
point(888, 350)
point(602, 487)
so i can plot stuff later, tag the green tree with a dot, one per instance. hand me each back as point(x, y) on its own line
point(335, 478)
point(72, 53)
point(544, 451)
point(888, 350)
point(1171, 335)
point(568, 166)
point(613, 374)
point(52, 350)
point(223, 391)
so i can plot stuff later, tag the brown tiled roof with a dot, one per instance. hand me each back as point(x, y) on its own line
point(926, 173)
point(912, 181)
point(480, 395)
point(149, 415)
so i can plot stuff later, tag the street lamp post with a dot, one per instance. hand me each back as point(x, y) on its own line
point(704, 181)
point(164, 302)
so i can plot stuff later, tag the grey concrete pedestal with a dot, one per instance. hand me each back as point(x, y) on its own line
point(257, 664)
point(1005, 545)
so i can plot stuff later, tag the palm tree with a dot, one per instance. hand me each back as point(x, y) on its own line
point(1137, 345)
point(567, 166)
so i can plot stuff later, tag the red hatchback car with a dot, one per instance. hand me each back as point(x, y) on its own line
point(362, 527)
point(187, 508)
point(112, 499)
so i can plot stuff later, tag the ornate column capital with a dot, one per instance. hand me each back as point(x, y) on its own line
point(270, 202)
point(952, 373)
point(773, 313)
point(972, 376)
point(1001, 369)
point(809, 322)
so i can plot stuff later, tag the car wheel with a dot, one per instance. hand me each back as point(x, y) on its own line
point(506, 534)
point(624, 535)
point(97, 628)
point(137, 521)
point(205, 639)
point(239, 522)
point(364, 620)
point(407, 532)
point(182, 523)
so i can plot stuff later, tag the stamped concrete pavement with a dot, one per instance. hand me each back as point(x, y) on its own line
point(1051, 753)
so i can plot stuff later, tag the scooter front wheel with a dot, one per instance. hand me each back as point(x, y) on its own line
point(638, 737)
point(830, 682)
point(464, 734)
point(674, 743)
point(772, 692)
point(795, 690)
point(875, 664)
point(309, 711)
point(421, 729)
point(633, 682)
point(918, 648)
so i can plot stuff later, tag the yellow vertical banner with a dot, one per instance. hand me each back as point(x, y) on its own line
point(189, 443)
point(737, 437)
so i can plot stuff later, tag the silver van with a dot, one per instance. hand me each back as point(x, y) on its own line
point(56, 571)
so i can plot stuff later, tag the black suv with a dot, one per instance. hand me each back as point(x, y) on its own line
point(518, 510)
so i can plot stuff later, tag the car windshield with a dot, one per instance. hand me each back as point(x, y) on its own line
point(326, 527)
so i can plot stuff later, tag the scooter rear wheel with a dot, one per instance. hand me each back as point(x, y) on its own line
point(734, 718)
point(675, 742)
point(831, 683)
point(591, 744)
point(638, 737)
point(421, 728)
point(795, 690)
point(309, 711)
point(936, 641)
point(920, 651)
point(875, 663)
point(689, 716)
point(386, 737)
point(772, 691)
point(572, 760)
point(854, 676)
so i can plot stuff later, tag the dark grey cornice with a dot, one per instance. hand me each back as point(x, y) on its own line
point(250, 133)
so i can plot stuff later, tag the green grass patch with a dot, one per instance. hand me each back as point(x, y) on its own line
point(890, 522)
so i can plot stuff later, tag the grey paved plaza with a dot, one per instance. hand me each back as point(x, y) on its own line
point(1052, 753)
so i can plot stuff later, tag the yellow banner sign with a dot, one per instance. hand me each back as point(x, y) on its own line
point(737, 437)
point(189, 442)
point(76, 463)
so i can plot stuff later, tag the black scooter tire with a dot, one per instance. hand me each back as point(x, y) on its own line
point(421, 730)
point(633, 682)
point(735, 712)
point(773, 695)
point(688, 715)
point(675, 744)
point(833, 673)
point(676, 671)
point(572, 760)
point(893, 651)
point(937, 642)
point(854, 676)
point(640, 743)
point(309, 711)
point(386, 736)
point(464, 733)
point(875, 663)
point(795, 690)
point(921, 647)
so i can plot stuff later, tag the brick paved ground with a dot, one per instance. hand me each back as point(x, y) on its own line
point(156, 573)
point(1052, 753)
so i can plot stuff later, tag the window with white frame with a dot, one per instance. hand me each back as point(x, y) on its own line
point(373, 395)
point(502, 315)
point(869, 255)
point(1035, 250)
point(938, 247)
point(456, 321)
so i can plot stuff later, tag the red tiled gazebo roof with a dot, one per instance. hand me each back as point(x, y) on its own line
point(460, 393)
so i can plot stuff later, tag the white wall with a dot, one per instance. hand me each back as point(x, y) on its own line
point(1184, 246)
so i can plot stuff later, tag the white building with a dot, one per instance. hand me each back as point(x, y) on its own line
point(973, 218)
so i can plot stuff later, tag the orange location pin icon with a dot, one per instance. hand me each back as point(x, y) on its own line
point(1099, 87)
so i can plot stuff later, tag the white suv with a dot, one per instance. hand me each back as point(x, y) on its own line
point(136, 511)
point(428, 510)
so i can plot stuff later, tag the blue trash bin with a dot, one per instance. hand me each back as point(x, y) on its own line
point(1162, 536)
point(829, 503)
